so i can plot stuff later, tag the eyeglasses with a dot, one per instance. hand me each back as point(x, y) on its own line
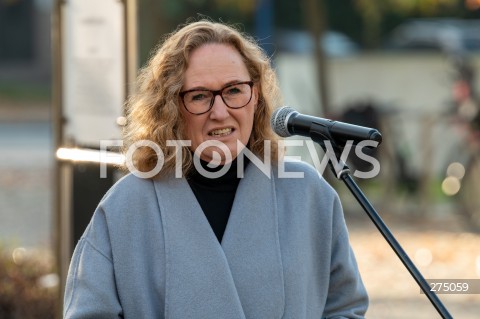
point(234, 96)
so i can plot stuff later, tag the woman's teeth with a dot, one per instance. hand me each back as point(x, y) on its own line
point(221, 132)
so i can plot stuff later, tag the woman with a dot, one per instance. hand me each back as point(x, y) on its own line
point(197, 239)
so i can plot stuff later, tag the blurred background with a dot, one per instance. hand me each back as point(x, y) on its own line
point(409, 68)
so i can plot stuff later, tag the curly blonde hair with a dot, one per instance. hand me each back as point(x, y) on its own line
point(153, 111)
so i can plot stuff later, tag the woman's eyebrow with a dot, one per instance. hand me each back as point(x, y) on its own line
point(197, 88)
point(223, 86)
point(233, 82)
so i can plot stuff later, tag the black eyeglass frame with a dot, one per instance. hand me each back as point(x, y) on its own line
point(215, 93)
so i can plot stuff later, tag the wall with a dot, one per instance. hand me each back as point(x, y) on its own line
point(415, 89)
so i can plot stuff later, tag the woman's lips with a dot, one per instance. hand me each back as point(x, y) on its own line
point(220, 132)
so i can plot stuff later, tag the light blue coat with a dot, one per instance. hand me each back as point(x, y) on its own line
point(149, 252)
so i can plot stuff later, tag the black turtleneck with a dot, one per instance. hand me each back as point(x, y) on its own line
point(216, 195)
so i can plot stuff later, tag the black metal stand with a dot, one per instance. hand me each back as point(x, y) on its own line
point(377, 220)
point(321, 134)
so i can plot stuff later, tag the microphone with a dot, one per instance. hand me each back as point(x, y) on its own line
point(286, 121)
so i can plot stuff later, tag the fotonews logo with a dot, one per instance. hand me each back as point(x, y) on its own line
point(221, 157)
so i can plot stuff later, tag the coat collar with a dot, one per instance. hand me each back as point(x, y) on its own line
point(240, 278)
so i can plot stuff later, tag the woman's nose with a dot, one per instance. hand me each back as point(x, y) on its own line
point(219, 109)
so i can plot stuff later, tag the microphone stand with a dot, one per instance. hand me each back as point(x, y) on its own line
point(320, 134)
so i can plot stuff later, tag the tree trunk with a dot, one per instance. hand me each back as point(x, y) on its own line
point(316, 18)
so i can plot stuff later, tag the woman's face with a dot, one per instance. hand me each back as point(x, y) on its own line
point(212, 67)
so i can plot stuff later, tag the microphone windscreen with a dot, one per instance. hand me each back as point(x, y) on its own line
point(279, 120)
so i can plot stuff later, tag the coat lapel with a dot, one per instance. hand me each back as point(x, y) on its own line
point(199, 283)
point(251, 246)
point(242, 277)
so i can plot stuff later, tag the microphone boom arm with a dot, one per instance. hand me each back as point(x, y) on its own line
point(319, 133)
